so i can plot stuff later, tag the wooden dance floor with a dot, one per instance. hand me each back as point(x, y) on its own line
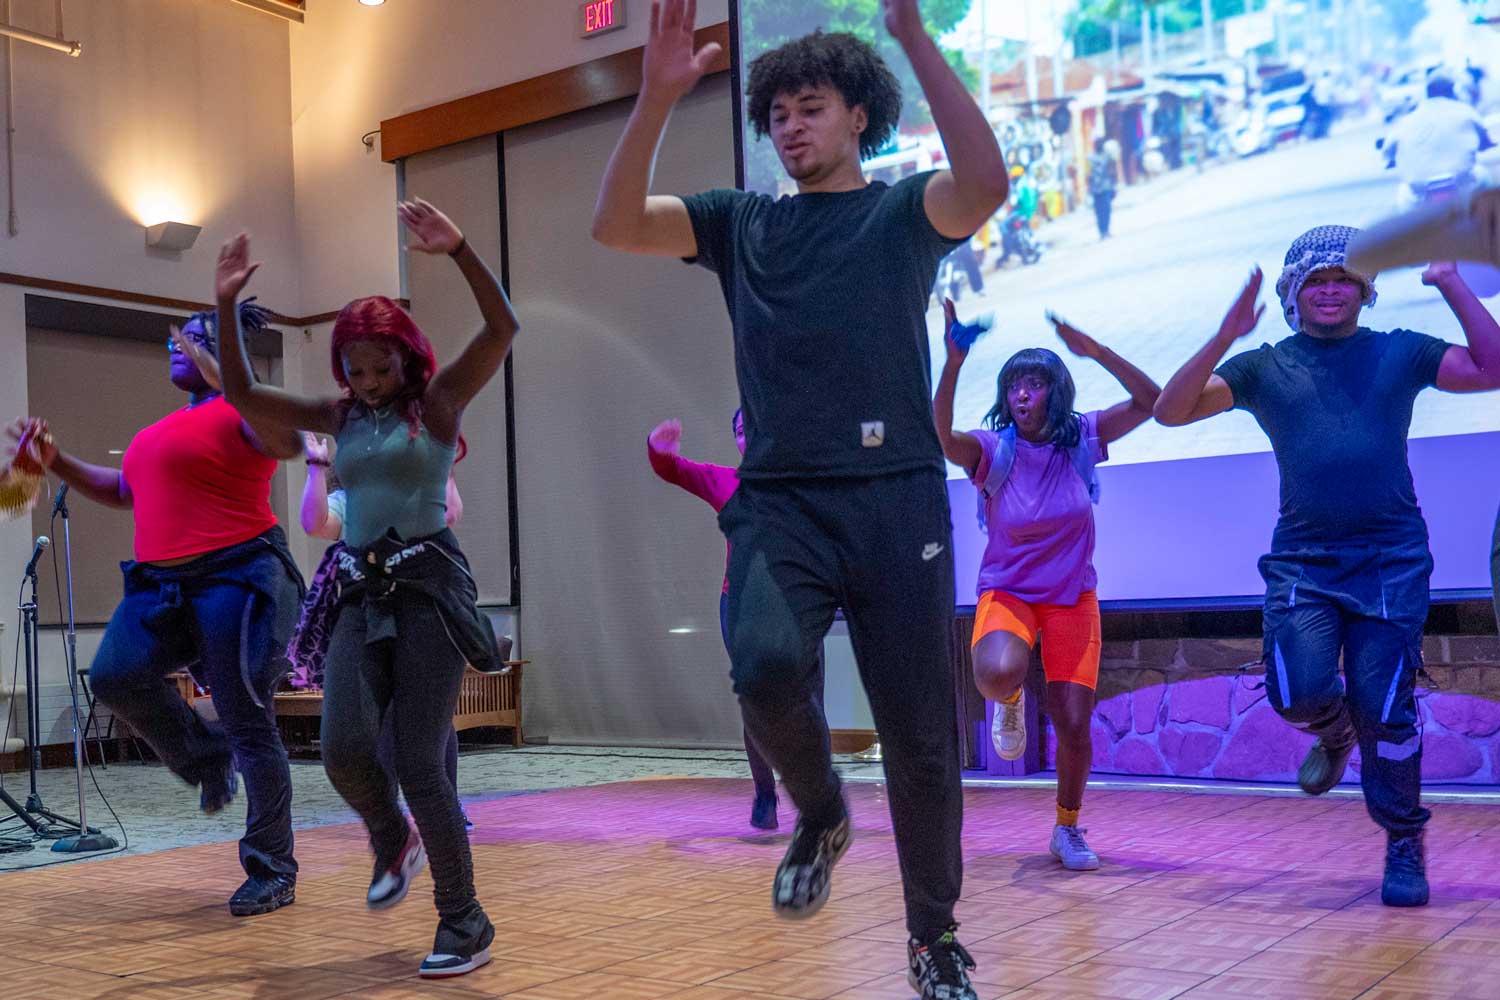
point(656, 889)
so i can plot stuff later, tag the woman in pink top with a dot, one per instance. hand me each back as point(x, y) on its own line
point(715, 484)
point(1034, 465)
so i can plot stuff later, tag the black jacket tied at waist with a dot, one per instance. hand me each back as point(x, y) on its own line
point(433, 567)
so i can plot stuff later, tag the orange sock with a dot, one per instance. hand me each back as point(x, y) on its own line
point(1068, 817)
point(1013, 698)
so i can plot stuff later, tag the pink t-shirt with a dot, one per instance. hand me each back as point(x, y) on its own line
point(1041, 545)
point(713, 484)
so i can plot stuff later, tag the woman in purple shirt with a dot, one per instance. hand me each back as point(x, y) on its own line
point(1034, 465)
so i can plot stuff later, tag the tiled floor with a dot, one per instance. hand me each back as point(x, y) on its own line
point(160, 812)
point(653, 889)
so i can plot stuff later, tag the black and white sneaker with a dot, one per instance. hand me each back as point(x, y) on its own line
point(391, 879)
point(456, 952)
point(939, 970)
point(262, 894)
point(805, 874)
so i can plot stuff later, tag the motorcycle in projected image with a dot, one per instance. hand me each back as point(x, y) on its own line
point(1442, 149)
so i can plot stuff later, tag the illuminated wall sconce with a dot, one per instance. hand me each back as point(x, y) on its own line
point(371, 3)
point(173, 237)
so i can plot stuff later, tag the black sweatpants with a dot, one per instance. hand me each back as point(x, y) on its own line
point(416, 675)
point(880, 548)
point(1370, 605)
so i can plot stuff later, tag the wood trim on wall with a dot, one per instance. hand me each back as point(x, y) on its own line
point(160, 301)
point(587, 85)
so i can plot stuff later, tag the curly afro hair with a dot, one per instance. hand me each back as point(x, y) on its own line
point(838, 60)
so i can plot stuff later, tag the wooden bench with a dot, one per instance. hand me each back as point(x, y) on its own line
point(483, 700)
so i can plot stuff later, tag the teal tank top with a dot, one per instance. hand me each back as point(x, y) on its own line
point(391, 479)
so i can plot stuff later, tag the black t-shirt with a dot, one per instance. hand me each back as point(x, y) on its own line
point(1337, 413)
point(828, 297)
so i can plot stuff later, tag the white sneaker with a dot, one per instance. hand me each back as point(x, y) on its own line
point(1069, 847)
point(389, 884)
point(1008, 730)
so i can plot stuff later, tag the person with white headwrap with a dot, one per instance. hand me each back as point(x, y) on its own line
point(1349, 566)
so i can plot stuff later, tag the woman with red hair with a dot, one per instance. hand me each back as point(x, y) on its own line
point(406, 621)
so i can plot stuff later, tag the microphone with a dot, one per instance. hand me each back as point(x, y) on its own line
point(57, 505)
point(42, 541)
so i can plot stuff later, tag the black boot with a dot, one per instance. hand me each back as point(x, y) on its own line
point(1405, 882)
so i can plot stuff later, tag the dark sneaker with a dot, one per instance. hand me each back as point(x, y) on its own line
point(217, 790)
point(939, 970)
point(262, 894)
point(805, 874)
point(392, 878)
point(763, 812)
point(468, 824)
point(1405, 882)
point(1323, 767)
point(457, 950)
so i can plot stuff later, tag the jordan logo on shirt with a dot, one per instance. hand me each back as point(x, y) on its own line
point(872, 433)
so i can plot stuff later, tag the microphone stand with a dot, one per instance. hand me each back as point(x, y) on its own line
point(34, 814)
point(87, 839)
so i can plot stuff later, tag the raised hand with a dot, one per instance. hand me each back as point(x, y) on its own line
point(1246, 311)
point(234, 268)
point(1438, 272)
point(670, 68)
point(1073, 338)
point(902, 19)
point(206, 363)
point(666, 437)
point(432, 231)
point(956, 354)
point(32, 448)
point(316, 449)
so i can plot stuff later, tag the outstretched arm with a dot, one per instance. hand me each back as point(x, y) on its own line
point(455, 386)
point(274, 441)
point(959, 447)
point(258, 403)
point(958, 200)
point(1474, 368)
point(626, 216)
point(1195, 392)
point(32, 447)
point(1122, 418)
point(317, 520)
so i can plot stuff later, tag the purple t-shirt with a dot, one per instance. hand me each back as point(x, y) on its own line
point(1041, 546)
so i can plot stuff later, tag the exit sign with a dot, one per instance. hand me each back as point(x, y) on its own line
point(600, 16)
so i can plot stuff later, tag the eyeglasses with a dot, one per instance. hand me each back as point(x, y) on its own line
point(202, 340)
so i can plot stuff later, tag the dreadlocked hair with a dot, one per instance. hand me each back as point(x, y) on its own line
point(837, 60)
point(253, 319)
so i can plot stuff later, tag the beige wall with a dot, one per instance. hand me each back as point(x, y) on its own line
point(353, 66)
point(176, 109)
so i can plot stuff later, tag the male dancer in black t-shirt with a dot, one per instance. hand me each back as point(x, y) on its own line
point(842, 500)
point(1349, 565)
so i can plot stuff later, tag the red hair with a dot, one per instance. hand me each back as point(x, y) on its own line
point(380, 320)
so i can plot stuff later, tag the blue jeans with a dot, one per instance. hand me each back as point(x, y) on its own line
point(1370, 605)
point(227, 617)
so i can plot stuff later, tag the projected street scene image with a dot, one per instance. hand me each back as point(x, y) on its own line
point(1160, 151)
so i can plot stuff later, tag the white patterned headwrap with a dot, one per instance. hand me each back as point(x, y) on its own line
point(1316, 250)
